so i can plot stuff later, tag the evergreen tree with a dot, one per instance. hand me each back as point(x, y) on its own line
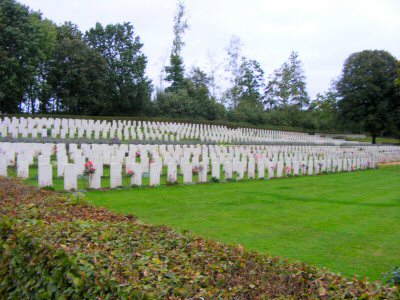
point(197, 86)
point(251, 84)
point(250, 89)
point(287, 85)
point(175, 72)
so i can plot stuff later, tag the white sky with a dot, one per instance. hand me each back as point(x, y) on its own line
point(323, 32)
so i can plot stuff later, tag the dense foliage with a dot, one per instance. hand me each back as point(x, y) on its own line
point(368, 94)
point(58, 248)
point(49, 68)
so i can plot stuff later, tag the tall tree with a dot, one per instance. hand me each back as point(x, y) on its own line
point(128, 88)
point(175, 71)
point(197, 87)
point(38, 93)
point(287, 86)
point(19, 53)
point(250, 89)
point(76, 74)
point(251, 83)
point(367, 91)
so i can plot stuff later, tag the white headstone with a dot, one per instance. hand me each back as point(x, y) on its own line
point(251, 169)
point(154, 175)
point(115, 175)
point(45, 176)
point(260, 169)
point(228, 167)
point(61, 162)
point(296, 167)
point(187, 170)
point(70, 177)
point(172, 173)
point(239, 170)
point(279, 169)
point(203, 170)
point(271, 169)
point(95, 180)
point(137, 176)
point(3, 166)
point(310, 170)
point(43, 159)
point(22, 168)
point(215, 170)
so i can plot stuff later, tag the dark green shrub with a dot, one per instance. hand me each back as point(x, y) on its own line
point(393, 277)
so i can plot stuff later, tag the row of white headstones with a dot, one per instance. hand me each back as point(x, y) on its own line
point(255, 160)
point(145, 130)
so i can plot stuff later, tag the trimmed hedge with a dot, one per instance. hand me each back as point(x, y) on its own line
point(53, 247)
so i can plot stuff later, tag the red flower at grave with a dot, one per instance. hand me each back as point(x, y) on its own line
point(130, 173)
point(195, 170)
point(137, 154)
point(89, 168)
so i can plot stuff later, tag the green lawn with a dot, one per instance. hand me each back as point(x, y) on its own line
point(379, 140)
point(348, 222)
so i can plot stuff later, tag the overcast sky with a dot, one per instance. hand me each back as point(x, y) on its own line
point(323, 32)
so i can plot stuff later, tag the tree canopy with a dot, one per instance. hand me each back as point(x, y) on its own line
point(175, 72)
point(367, 91)
point(287, 85)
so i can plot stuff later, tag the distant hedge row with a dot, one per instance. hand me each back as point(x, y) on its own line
point(52, 247)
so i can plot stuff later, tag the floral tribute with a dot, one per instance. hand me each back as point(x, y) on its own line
point(288, 170)
point(89, 168)
point(130, 173)
point(197, 169)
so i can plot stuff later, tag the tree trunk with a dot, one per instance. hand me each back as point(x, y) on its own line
point(374, 139)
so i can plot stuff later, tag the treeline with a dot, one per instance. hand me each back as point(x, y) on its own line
point(49, 68)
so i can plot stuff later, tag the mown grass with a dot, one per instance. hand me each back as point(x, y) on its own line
point(348, 222)
point(379, 140)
